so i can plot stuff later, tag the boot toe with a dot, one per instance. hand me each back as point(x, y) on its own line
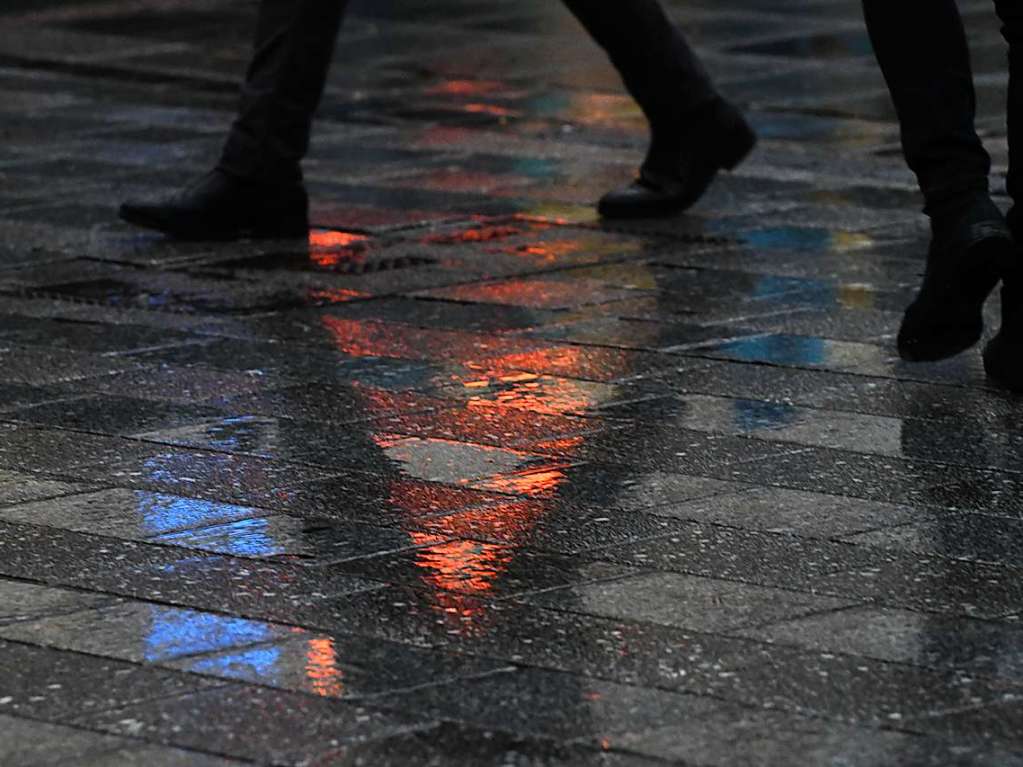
point(927, 335)
point(1003, 362)
point(149, 215)
point(219, 207)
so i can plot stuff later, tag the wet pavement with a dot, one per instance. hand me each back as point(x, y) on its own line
point(468, 477)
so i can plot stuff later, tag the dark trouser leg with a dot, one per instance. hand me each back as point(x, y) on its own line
point(1003, 357)
point(658, 67)
point(921, 46)
point(294, 45)
point(922, 50)
point(1011, 14)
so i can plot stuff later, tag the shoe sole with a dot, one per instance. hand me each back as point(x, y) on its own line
point(746, 141)
point(990, 255)
point(289, 230)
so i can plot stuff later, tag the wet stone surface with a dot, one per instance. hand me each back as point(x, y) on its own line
point(466, 475)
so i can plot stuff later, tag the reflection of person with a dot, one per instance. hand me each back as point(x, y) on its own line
point(927, 68)
point(257, 190)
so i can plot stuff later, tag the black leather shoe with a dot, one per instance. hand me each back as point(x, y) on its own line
point(970, 247)
point(672, 180)
point(1003, 355)
point(222, 207)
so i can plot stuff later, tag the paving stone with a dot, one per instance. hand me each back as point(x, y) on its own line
point(62, 452)
point(929, 583)
point(903, 636)
point(331, 403)
point(670, 449)
point(252, 723)
point(23, 601)
point(699, 604)
point(628, 652)
point(960, 536)
point(491, 424)
point(763, 558)
point(313, 542)
point(149, 633)
point(786, 423)
point(217, 475)
point(549, 524)
point(178, 576)
point(867, 477)
point(344, 667)
point(183, 385)
point(111, 415)
point(454, 744)
point(17, 487)
point(779, 510)
point(769, 738)
point(357, 496)
point(842, 391)
point(33, 744)
point(35, 366)
point(94, 337)
point(997, 722)
point(55, 686)
point(133, 514)
point(479, 569)
point(18, 395)
point(561, 705)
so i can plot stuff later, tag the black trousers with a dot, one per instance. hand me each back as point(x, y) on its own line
point(295, 42)
point(921, 46)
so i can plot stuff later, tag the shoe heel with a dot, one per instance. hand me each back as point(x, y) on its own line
point(742, 143)
point(994, 258)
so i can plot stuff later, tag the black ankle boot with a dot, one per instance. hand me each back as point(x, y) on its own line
point(682, 162)
point(222, 207)
point(970, 245)
point(1003, 355)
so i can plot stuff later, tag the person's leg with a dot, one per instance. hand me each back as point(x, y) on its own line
point(294, 45)
point(1011, 14)
point(1003, 357)
point(657, 65)
point(921, 47)
point(927, 68)
point(256, 188)
point(694, 132)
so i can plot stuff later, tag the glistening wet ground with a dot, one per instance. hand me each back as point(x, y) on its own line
point(468, 477)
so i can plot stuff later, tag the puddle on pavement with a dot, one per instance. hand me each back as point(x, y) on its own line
point(791, 238)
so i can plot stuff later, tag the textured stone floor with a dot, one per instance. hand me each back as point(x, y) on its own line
point(469, 478)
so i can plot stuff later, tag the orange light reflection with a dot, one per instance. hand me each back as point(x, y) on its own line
point(490, 109)
point(334, 295)
point(330, 238)
point(538, 483)
point(480, 234)
point(458, 570)
point(465, 87)
point(322, 668)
